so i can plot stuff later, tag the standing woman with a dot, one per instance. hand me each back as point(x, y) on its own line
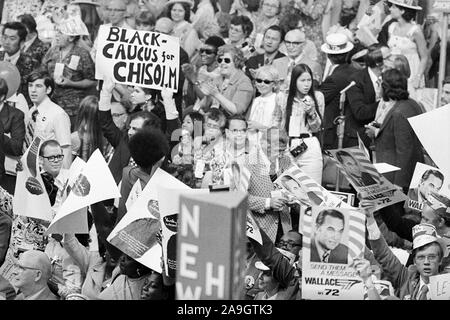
point(301, 115)
point(407, 36)
point(205, 11)
point(71, 67)
point(179, 11)
point(396, 143)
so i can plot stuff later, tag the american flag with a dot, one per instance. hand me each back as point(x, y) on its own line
point(356, 232)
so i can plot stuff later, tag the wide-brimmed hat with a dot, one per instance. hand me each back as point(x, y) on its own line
point(73, 26)
point(261, 266)
point(85, 2)
point(411, 4)
point(424, 234)
point(189, 2)
point(337, 43)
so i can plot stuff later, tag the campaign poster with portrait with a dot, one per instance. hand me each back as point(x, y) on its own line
point(236, 176)
point(364, 177)
point(426, 179)
point(332, 239)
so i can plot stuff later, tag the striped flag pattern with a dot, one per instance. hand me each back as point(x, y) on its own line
point(356, 233)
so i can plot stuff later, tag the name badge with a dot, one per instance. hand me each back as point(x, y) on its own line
point(74, 60)
point(199, 168)
point(59, 70)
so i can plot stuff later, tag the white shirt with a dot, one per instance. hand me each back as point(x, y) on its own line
point(376, 87)
point(52, 122)
point(13, 59)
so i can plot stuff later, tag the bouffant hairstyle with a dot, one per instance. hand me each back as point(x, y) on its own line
point(238, 56)
point(401, 64)
point(395, 85)
point(147, 147)
point(245, 22)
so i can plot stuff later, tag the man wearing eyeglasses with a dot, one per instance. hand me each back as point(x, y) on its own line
point(295, 41)
point(31, 274)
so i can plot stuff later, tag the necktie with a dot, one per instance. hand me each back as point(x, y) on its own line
point(266, 61)
point(325, 256)
point(423, 293)
point(378, 88)
point(29, 132)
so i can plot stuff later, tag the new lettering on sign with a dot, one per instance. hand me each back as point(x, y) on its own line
point(141, 58)
point(440, 287)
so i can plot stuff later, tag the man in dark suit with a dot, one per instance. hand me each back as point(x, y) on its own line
point(364, 97)
point(33, 45)
point(337, 47)
point(355, 173)
point(13, 134)
point(325, 245)
point(271, 43)
point(431, 180)
point(14, 35)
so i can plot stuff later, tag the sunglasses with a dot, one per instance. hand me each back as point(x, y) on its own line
point(265, 81)
point(226, 60)
point(208, 51)
point(55, 158)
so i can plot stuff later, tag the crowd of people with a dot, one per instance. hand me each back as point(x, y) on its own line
point(259, 90)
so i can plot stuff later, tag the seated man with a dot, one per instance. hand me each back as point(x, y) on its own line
point(33, 270)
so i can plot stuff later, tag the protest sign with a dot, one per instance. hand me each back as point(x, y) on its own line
point(211, 246)
point(93, 184)
point(348, 198)
point(252, 230)
point(383, 167)
point(433, 131)
point(142, 58)
point(360, 172)
point(298, 187)
point(328, 255)
point(30, 197)
point(425, 180)
point(440, 287)
point(237, 176)
point(135, 234)
point(169, 206)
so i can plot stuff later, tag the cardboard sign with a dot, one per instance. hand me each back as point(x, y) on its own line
point(433, 131)
point(135, 234)
point(95, 183)
point(169, 206)
point(348, 198)
point(252, 230)
point(141, 58)
point(326, 259)
point(211, 246)
point(361, 173)
point(30, 197)
point(134, 194)
point(440, 287)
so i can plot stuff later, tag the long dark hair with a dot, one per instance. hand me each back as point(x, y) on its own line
point(87, 123)
point(296, 73)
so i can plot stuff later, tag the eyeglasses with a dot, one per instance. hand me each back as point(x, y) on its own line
point(212, 126)
point(273, 6)
point(21, 268)
point(207, 51)
point(293, 43)
point(116, 115)
point(226, 60)
point(55, 158)
point(115, 10)
point(431, 258)
point(235, 131)
point(265, 81)
point(289, 244)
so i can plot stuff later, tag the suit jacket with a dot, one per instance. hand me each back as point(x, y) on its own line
point(13, 123)
point(397, 144)
point(258, 61)
point(38, 49)
point(331, 87)
point(45, 294)
point(337, 255)
point(362, 109)
point(366, 178)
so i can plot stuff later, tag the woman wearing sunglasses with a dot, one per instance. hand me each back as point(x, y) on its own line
point(233, 90)
point(301, 115)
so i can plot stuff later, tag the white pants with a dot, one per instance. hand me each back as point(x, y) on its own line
point(311, 161)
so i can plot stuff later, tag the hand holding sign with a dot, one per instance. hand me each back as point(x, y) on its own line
point(108, 85)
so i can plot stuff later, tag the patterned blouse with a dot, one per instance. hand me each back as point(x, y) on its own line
point(69, 98)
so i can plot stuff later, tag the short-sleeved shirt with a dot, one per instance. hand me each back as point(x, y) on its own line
point(69, 98)
point(52, 122)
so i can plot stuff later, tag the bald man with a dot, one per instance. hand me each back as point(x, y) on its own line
point(298, 51)
point(33, 270)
